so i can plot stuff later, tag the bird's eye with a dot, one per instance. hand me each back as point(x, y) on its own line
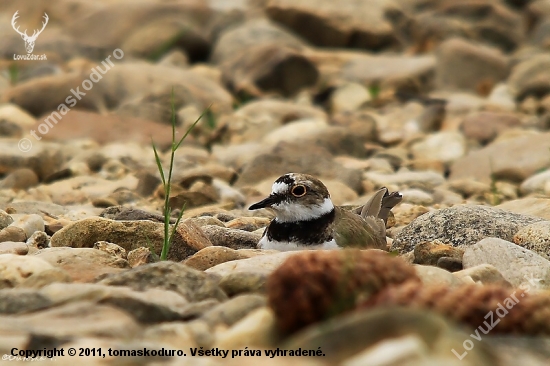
point(298, 190)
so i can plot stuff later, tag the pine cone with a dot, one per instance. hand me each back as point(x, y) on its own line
point(315, 285)
point(491, 307)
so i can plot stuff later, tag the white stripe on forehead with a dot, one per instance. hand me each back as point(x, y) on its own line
point(283, 184)
point(280, 188)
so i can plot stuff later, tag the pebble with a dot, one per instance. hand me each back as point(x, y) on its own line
point(443, 146)
point(78, 319)
point(486, 126)
point(15, 269)
point(38, 240)
point(538, 207)
point(11, 247)
point(5, 220)
point(536, 183)
point(349, 97)
point(420, 180)
point(429, 253)
point(518, 265)
point(148, 306)
point(82, 264)
point(256, 329)
point(112, 249)
point(513, 159)
point(231, 238)
point(264, 264)
point(351, 334)
point(131, 235)
point(14, 301)
point(140, 256)
point(244, 282)
point(417, 197)
point(485, 274)
point(431, 275)
point(23, 178)
point(477, 222)
point(192, 284)
point(29, 223)
point(175, 334)
point(456, 55)
point(211, 256)
point(233, 310)
point(535, 237)
point(248, 223)
point(13, 233)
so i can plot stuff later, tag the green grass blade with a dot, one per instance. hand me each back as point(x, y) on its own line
point(151, 248)
point(174, 228)
point(159, 163)
point(193, 125)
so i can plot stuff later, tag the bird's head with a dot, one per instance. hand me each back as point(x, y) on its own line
point(297, 197)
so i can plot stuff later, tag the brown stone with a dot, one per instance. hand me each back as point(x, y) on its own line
point(269, 68)
point(336, 24)
point(20, 179)
point(140, 256)
point(78, 124)
point(485, 126)
point(82, 264)
point(248, 223)
point(211, 256)
point(15, 269)
point(130, 235)
point(12, 233)
point(10, 247)
point(513, 159)
point(464, 65)
point(428, 253)
point(231, 238)
point(77, 319)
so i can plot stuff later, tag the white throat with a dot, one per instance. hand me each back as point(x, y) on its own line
point(292, 212)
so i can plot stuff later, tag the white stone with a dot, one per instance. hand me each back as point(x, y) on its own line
point(349, 97)
point(536, 183)
point(518, 265)
point(29, 223)
point(258, 329)
point(262, 264)
point(295, 130)
point(395, 351)
point(14, 114)
point(14, 269)
point(430, 275)
point(424, 180)
point(441, 146)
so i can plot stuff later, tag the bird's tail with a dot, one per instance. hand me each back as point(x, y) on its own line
point(380, 204)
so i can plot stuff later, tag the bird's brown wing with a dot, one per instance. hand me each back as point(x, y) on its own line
point(351, 230)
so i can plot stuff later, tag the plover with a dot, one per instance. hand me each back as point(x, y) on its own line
point(305, 217)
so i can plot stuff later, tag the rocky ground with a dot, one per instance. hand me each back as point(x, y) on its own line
point(447, 102)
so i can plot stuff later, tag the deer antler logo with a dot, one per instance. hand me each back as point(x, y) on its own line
point(29, 41)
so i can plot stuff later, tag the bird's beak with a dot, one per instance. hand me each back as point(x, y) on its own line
point(272, 199)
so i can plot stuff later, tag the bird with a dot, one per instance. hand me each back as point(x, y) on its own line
point(306, 218)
